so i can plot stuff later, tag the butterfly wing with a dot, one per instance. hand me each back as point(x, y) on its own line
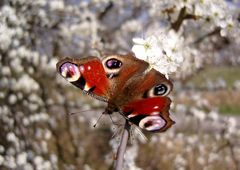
point(148, 105)
point(87, 74)
point(151, 114)
point(102, 79)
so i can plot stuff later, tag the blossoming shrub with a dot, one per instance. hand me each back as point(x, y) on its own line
point(36, 131)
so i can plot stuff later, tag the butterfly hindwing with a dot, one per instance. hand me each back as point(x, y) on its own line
point(147, 105)
point(150, 114)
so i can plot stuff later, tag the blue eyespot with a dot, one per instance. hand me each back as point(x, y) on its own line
point(160, 90)
point(113, 63)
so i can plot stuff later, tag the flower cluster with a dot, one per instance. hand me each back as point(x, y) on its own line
point(161, 52)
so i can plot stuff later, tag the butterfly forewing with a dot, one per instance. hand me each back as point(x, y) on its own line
point(91, 75)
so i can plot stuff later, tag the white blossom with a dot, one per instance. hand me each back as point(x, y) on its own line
point(12, 99)
point(201, 160)
point(5, 37)
point(27, 84)
point(56, 5)
point(11, 137)
point(6, 71)
point(28, 166)
point(11, 162)
point(38, 160)
point(179, 161)
point(1, 159)
point(48, 134)
point(213, 157)
point(159, 51)
point(1, 149)
point(53, 158)
point(213, 115)
point(199, 114)
point(21, 158)
point(16, 65)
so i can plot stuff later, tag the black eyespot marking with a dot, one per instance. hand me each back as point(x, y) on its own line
point(160, 89)
point(136, 119)
point(81, 82)
point(148, 124)
point(92, 89)
point(113, 63)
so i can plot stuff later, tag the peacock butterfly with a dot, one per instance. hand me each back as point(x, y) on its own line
point(127, 84)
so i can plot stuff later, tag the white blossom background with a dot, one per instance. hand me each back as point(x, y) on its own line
point(36, 129)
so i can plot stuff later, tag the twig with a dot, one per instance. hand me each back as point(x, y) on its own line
point(106, 10)
point(216, 31)
point(183, 15)
point(122, 146)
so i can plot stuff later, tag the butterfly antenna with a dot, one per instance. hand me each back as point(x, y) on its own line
point(81, 111)
point(98, 120)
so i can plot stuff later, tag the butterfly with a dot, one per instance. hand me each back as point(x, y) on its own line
point(129, 86)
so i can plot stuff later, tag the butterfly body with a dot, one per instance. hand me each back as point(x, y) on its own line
point(126, 84)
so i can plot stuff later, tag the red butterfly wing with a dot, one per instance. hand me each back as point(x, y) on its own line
point(146, 104)
point(87, 74)
point(95, 77)
point(150, 114)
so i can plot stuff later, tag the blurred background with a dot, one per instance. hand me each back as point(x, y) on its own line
point(36, 130)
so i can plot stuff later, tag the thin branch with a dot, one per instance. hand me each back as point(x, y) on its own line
point(122, 146)
point(216, 31)
point(183, 15)
point(235, 161)
point(106, 10)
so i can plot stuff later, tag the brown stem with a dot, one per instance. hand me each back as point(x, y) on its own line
point(235, 161)
point(106, 10)
point(183, 15)
point(214, 32)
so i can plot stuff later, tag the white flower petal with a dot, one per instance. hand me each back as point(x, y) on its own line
point(138, 41)
point(179, 59)
point(139, 52)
